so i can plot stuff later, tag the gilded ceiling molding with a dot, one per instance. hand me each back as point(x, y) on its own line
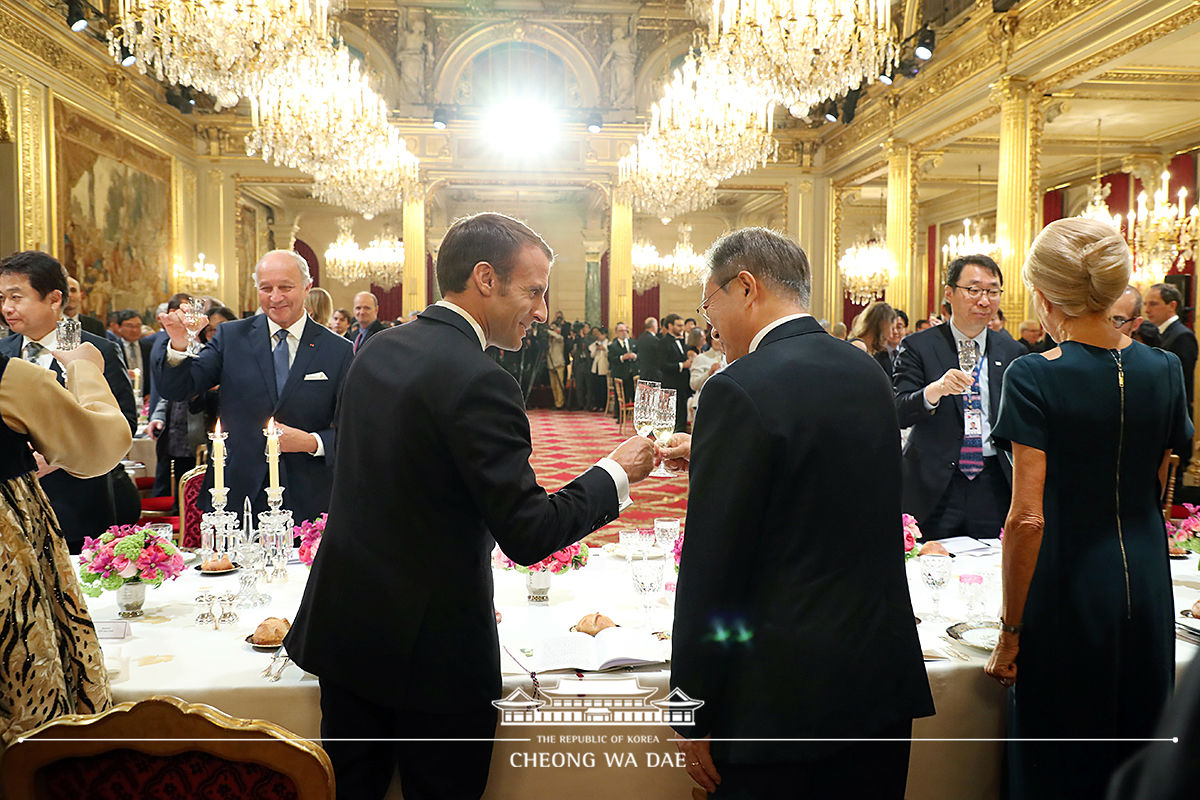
point(1140, 39)
point(1141, 76)
point(95, 79)
point(951, 131)
point(1036, 22)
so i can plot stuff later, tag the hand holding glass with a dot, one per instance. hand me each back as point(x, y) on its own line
point(664, 426)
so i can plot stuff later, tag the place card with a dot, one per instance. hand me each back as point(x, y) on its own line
point(964, 545)
point(116, 629)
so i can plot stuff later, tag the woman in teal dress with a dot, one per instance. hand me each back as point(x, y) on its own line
point(1087, 649)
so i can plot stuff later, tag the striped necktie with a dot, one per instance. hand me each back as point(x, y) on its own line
point(970, 457)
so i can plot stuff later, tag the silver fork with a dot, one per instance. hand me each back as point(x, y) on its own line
point(282, 666)
point(952, 650)
point(266, 673)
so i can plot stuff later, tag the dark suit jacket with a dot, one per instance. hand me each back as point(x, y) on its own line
point(931, 454)
point(432, 470)
point(91, 325)
point(87, 506)
point(1179, 339)
point(238, 357)
point(672, 354)
point(372, 329)
point(618, 368)
point(773, 631)
point(158, 341)
point(649, 361)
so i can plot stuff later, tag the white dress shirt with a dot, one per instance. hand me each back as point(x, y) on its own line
point(1163, 328)
point(985, 395)
point(48, 342)
point(615, 470)
point(770, 326)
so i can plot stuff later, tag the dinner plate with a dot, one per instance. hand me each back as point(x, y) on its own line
point(615, 550)
point(200, 568)
point(262, 648)
point(980, 635)
point(1180, 556)
point(1187, 612)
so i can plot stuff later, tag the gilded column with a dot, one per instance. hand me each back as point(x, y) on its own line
point(620, 261)
point(832, 285)
point(1020, 127)
point(593, 251)
point(901, 220)
point(414, 252)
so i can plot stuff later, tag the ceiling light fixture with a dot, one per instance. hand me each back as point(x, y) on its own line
point(926, 39)
point(75, 17)
point(594, 122)
point(441, 118)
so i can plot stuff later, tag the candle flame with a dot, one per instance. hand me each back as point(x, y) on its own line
point(217, 430)
point(271, 427)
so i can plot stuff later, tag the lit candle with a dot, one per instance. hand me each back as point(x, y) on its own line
point(218, 457)
point(273, 453)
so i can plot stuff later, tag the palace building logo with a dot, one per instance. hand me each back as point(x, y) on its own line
point(608, 701)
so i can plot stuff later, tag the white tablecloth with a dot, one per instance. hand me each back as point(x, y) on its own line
point(167, 654)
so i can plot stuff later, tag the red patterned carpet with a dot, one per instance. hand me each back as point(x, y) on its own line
point(565, 443)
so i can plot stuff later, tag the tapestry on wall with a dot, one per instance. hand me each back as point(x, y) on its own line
point(113, 198)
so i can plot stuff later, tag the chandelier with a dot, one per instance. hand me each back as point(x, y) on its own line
point(1160, 236)
point(682, 267)
point(709, 125)
point(201, 279)
point(866, 269)
point(804, 50)
point(381, 262)
point(1097, 207)
point(970, 243)
point(219, 46)
point(322, 117)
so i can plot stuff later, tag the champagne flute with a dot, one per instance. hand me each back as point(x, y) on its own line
point(645, 403)
point(968, 355)
point(664, 426)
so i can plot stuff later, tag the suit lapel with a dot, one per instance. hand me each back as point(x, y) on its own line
point(996, 366)
point(304, 356)
point(260, 332)
point(11, 345)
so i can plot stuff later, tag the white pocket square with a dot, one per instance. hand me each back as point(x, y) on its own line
point(316, 376)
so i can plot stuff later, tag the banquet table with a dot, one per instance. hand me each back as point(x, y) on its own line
point(166, 653)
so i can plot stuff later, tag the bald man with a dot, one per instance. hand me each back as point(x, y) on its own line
point(366, 312)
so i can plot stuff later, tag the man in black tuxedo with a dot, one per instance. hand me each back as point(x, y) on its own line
point(135, 349)
point(784, 645)
point(649, 360)
point(675, 364)
point(955, 484)
point(277, 365)
point(1163, 303)
point(33, 285)
point(433, 470)
point(73, 306)
point(366, 314)
point(623, 359)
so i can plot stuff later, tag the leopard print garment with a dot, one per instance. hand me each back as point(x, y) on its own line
point(50, 659)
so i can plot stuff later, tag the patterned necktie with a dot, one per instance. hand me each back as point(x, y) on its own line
point(33, 352)
point(970, 457)
point(280, 356)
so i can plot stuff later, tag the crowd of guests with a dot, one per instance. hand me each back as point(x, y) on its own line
point(993, 442)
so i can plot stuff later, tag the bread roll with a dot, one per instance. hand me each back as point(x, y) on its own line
point(933, 547)
point(271, 631)
point(592, 624)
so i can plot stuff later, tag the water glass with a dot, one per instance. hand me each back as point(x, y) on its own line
point(935, 572)
point(69, 333)
point(666, 531)
point(647, 582)
point(970, 592)
point(629, 540)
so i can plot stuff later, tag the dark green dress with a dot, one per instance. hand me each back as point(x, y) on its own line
point(1097, 655)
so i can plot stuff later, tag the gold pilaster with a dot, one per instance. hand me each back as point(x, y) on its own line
point(620, 263)
point(1020, 126)
point(901, 220)
point(414, 253)
point(832, 294)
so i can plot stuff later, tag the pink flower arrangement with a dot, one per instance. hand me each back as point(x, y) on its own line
point(310, 538)
point(571, 557)
point(911, 533)
point(678, 551)
point(1186, 532)
point(126, 554)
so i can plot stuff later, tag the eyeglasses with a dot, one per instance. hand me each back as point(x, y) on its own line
point(702, 309)
point(1118, 321)
point(974, 292)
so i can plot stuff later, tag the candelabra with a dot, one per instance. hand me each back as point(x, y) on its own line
point(275, 533)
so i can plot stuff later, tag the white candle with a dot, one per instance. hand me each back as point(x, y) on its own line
point(273, 453)
point(218, 457)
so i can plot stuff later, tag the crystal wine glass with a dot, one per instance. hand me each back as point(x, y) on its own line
point(647, 582)
point(968, 356)
point(645, 404)
point(195, 322)
point(664, 426)
point(935, 572)
point(69, 333)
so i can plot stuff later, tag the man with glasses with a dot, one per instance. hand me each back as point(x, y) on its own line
point(1033, 338)
point(954, 482)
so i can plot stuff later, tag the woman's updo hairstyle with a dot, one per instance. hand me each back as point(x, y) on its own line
point(1081, 265)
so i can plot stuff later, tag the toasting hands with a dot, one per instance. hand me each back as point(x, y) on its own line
point(637, 456)
point(677, 452)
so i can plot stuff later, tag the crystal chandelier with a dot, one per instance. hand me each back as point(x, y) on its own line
point(682, 267)
point(709, 125)
point(1160, 236)
point(322, 117)
point(1097, 208)
point(219, 46)
point(804, 50)
point(381, 262)
point(201, 279)
point(646, 263)
point(866, 269)
point(969, 243)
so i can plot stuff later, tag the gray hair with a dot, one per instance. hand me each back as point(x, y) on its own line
point(776, 260)
point(301, 263)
